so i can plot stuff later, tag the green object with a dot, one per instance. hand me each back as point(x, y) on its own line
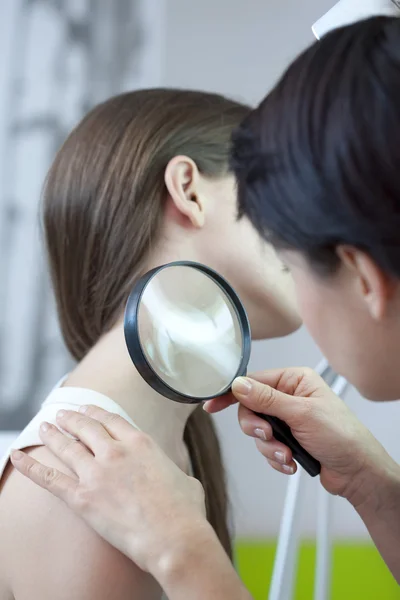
point(358, 571)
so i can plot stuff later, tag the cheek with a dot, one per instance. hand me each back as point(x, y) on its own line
point(314, 307)
point(324, 315)
point(241, 249)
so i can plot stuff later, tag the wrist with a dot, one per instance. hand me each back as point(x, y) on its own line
point(198, 567)
point(377, 486)
point(190, 544)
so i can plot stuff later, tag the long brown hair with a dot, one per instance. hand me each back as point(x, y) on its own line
point(103, 208)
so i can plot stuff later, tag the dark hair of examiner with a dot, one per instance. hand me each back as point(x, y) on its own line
point(318, 162)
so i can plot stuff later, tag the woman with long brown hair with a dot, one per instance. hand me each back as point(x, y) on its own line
point(141, 181)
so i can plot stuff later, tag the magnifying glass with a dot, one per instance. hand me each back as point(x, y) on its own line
point(188, 335)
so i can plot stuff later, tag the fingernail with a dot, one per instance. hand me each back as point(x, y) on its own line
point(17, 455)
point(288, 469)
point(260, 433)
point(242, 386)
point(44, 427)
point(280, 457)
point(61, 414)
point(83, 409)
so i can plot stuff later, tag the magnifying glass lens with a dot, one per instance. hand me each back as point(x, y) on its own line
point(190, 332)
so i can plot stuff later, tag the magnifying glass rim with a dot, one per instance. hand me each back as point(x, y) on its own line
point(135, 349)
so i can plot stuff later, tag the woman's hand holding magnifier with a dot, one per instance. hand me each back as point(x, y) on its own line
point(320, 421)
point(353, 463)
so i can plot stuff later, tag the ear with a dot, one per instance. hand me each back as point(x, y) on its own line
point(182, 179)
point(375, 286)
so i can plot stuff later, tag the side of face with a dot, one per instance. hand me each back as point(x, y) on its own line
point(250, 265)
point(201, 224)
point(354, 317)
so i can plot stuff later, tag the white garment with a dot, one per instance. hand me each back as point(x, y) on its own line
point(60, 398)
point(66, 398)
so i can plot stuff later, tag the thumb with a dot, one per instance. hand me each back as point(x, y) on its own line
point(262, 398)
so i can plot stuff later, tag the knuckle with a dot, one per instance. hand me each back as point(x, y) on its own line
point(308, 372)
point(49, 476)
point(74, 445)
point(81, 421)
point(269, 434)
point(291, 380)
point(309, 381)
point(244, 413)
point(65, 446)
point(264, 396)
point(74, 448)
point(142, 440)
point(90, 410)
point(81, 499)
point(78, 421)
point(112, 452)
point(30, 468)
point(112, 418)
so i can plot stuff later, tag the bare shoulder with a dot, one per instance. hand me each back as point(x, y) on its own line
point(54, 554)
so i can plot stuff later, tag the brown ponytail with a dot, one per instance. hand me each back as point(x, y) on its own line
point(205, 454)
point(103, 210)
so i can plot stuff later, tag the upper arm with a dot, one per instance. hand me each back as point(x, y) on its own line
point(56, 555)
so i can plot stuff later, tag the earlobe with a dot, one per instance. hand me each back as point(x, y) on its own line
point(182, 179)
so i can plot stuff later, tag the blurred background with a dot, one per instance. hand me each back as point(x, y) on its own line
point(59, 58)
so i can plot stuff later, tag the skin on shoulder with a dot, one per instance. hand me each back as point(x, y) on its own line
point(51, 553)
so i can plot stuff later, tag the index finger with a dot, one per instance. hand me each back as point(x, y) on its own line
point(286, 379)
point(48, 478)
point(88, 431)
point(294, 381)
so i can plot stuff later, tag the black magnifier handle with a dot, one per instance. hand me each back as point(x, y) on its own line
point(283, 434)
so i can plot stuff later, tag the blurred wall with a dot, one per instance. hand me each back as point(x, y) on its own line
point(240, 48)
point(58, 59)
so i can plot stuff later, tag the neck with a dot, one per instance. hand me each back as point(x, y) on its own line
point(108, 369)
